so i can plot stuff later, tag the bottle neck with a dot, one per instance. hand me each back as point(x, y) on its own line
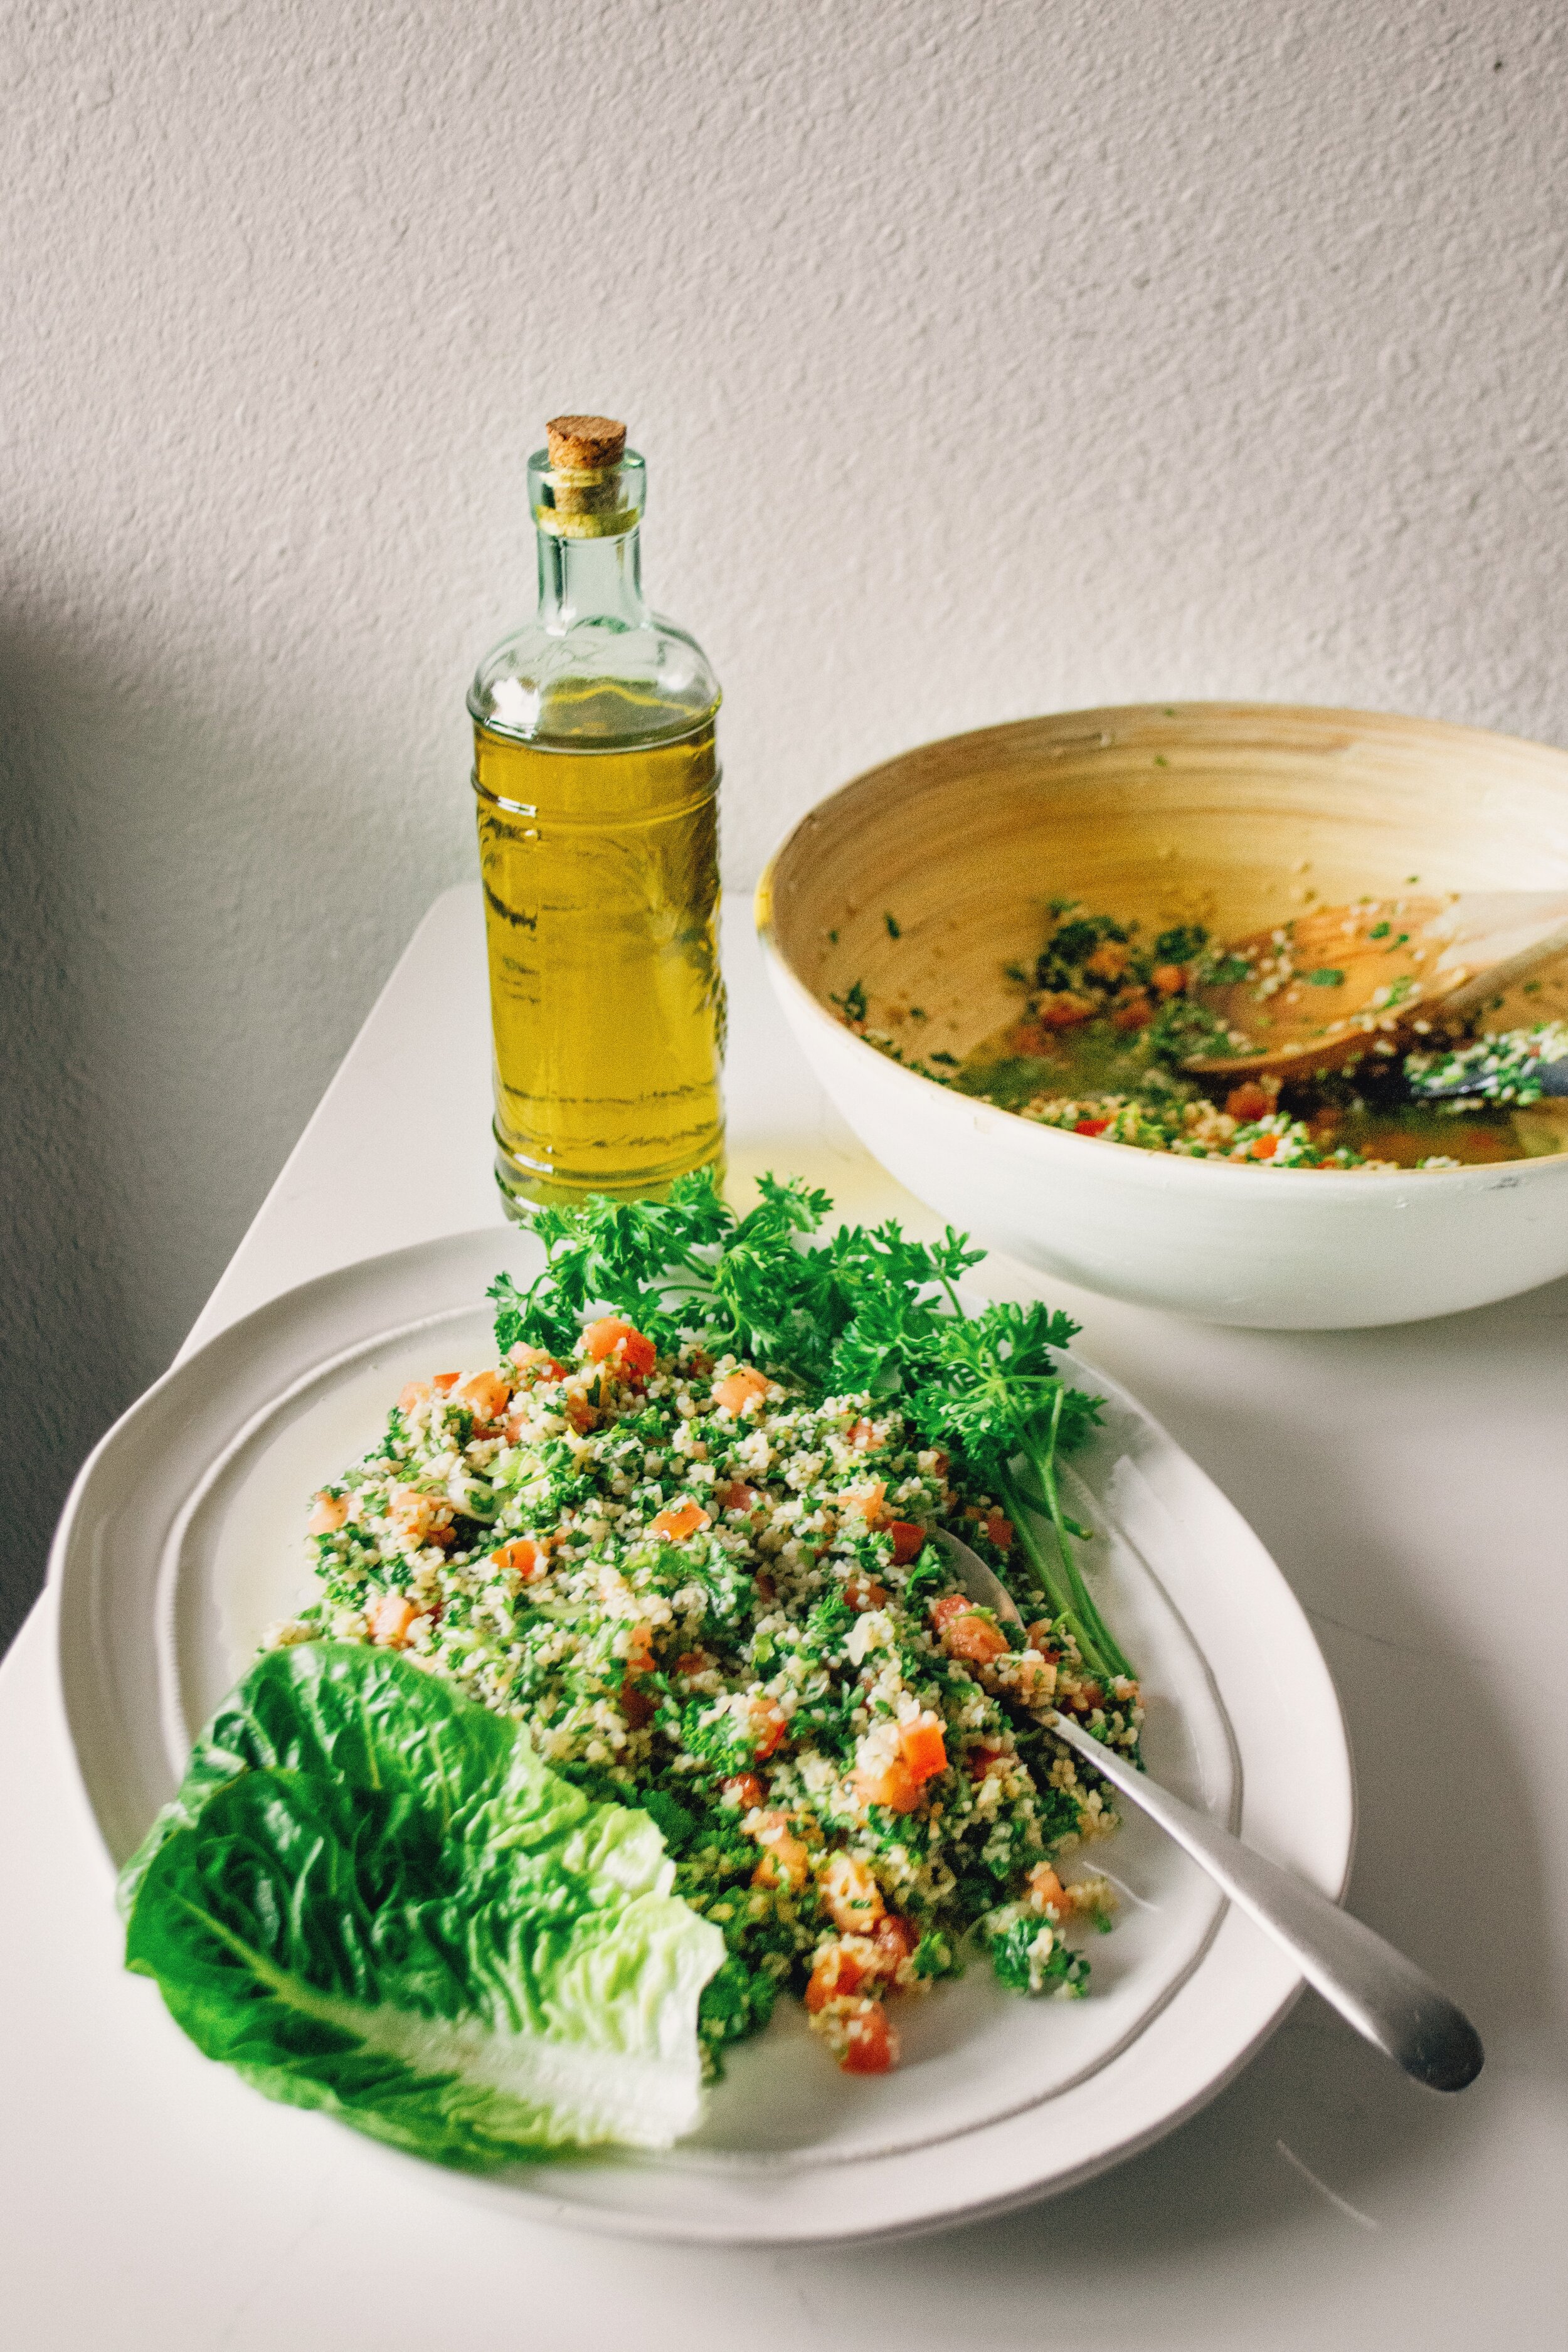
point(591, 580)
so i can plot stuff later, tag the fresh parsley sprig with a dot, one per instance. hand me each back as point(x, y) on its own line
point(995, 1392)
point(862, 1309)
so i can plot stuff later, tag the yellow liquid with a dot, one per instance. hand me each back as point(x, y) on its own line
point(601, 881)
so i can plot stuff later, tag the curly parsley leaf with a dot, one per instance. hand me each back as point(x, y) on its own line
point(862, 1309)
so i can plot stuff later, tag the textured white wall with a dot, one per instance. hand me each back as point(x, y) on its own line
point(989, 355)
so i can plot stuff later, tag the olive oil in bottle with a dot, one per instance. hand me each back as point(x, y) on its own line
point(597, 780)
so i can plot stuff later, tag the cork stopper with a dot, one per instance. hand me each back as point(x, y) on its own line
point(582, 444)
point(588, 484)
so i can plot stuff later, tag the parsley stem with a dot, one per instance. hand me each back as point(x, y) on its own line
point(1033, 1495)
point(1048, 1576)
point(1014, 1504)
point(1040, 1455)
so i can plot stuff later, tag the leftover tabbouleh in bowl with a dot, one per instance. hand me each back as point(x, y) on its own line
point(1107, 1019)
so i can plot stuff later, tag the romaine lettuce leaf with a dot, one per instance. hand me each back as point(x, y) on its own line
point(371, 1896)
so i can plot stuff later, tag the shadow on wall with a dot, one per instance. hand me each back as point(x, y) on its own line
point(173, 1004)
point(200, 894)
point(68, 1362)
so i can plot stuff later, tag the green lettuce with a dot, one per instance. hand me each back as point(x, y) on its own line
point(371, 1896)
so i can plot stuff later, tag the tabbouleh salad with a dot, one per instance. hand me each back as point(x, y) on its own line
point(681, 1530)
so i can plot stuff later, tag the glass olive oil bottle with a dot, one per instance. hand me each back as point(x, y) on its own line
point(597, 780)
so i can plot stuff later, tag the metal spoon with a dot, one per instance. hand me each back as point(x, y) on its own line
point(1384, 1996)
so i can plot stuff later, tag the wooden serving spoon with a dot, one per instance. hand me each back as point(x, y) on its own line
point(1320, 988)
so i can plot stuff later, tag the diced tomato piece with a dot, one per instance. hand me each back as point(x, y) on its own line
point(640, 1706)
point(837, 1971)
point(1065, 1012)
point(871, 2045)
point(860, 1434)
point(445, 1380)
point(964, 1634)
point(581, 1413)
point(980, 1759)
point(1034, 1680)
point(693, 1662)
point(850, 1894)
point(328, 1514)
point(893, 1785)
point(1248, 1101)
point(769, 1725)
point(999, 1527)
point(766, 1589)
point(680, 1520)
point(786, 1860)
point(1264, 1147)
point(414, 1394)
point(737, 1389)
point(390, 1620)
point(526, 1557)
point(909, 1541)
point(1041, 1636)
point(866, 1501)
point(1109, 959)
point(612, 1333)
point(1133, 1013)
point(742, 1789)
point(639, 1651)
point(894, 1940)
point(979, 1639)
point(863, 1591)
point(924, 1747)
point(606, 1336)
point(540, 1362)
point(1170, 979)
point(1090, 1126)
point(486, 1395)
point(737, 1496)
point(1045, 1888)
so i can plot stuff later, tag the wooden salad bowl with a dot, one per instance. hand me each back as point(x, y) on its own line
point(1238, 815)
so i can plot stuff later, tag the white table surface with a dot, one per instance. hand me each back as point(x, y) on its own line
point(1413, 1486)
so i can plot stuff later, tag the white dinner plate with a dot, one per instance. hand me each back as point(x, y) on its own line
point(182, 1541)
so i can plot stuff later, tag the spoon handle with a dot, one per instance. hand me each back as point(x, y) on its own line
point(1552, 1076)
point(1384, 1996)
